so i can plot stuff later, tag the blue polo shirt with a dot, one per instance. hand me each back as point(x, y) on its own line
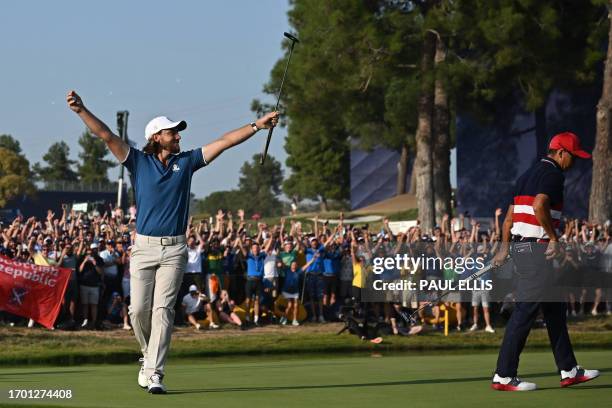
point(317, 266)
point(331, 262)
point(162, 193)
point(255, 264)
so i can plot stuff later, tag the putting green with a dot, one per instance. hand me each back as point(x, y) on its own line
point(414, 380)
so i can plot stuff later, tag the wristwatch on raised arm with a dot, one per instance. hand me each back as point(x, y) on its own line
point(254, 126)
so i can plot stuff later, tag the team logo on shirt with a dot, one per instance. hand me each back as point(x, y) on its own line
point(175, 168)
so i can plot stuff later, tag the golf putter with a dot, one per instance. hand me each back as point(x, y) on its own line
point(475, 276)
point(293, 41)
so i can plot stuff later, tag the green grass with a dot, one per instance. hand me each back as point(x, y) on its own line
point(40, 346)
point(378, 380)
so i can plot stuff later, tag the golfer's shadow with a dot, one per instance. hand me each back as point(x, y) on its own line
point(376, 384)
point(325, 386)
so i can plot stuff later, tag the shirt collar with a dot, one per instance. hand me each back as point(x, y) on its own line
point(551, 161)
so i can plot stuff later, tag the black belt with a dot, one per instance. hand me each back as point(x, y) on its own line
point(519, 238)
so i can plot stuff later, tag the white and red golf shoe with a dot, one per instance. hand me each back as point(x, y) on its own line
point(577, 375)
point(511, 384)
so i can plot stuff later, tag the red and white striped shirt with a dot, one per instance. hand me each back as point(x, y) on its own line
point(544, 177)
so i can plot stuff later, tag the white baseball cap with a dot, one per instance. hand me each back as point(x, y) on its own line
point(193, 288)
point(161, 123)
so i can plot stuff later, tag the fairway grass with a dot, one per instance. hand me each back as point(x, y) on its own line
point(369, 380)
point(21, 346)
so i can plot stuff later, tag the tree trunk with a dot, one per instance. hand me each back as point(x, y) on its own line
point(412, 189)
point(402, 170)
point(441, 140)
point(541, 132)
point(323, 205)
point(600, 202)
point(423, 164)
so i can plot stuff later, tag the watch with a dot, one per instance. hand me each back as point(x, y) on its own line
point(254, 126)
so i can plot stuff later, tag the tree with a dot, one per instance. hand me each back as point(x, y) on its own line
point(93, 167)
point(441, 136)
point(260, 186)
point(59, 165)
point(600, 203)
point(313, 99)
point(506, 51)
point(225, 200)
point(10, 143)
point(15, 177)
point(424, 145)
point(258, 190)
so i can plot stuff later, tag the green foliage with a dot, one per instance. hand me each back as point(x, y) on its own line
point(354, 79)
point(258, 191)
point(522, 49)
point(93, 167)
point(226, 200)
point(10, 143)
point(261, 185)
point(355, 74)
point(15, 177)
point(59, 165)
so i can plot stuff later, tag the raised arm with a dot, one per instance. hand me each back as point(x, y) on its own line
point(504, 246)
point(238, 244)
point(115, 144)
point(237, 136)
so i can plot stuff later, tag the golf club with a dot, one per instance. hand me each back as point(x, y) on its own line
point(293, 41)
point(439, 298)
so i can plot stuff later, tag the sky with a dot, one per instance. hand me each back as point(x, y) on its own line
point(199, 61)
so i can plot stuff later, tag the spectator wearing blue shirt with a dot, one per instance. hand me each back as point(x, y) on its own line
point(331, 268)
point(291, 291)
point(315, 254)
point(161, 176)
point(255, 258)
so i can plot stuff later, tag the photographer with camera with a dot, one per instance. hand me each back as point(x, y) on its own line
point(193, 306)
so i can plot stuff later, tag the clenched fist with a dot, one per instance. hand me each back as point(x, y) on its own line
point(267, 121)
point(74, 102)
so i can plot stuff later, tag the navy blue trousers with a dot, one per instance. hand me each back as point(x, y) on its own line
point(534, 283)
point(518, 329)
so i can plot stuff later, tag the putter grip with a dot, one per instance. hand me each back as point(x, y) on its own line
point(265, 152)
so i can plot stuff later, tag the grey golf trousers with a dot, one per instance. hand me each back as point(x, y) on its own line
point(156, 271)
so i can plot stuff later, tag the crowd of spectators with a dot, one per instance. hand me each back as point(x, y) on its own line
point(235, 265)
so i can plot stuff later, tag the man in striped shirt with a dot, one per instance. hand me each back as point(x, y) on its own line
point(531, 223)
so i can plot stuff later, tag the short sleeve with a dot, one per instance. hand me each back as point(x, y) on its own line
point(551, 184)
point(131, 160)
point(197, 159)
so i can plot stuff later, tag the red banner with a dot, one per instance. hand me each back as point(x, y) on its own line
point(31, 290)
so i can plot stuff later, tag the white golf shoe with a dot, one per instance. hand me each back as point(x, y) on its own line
point(155, 384)
point(142, 378)
point(577, 375)
point(511, 384)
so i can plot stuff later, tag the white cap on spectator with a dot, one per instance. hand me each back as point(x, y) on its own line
point(93, 246)
point(193, 288)
point(161, 123)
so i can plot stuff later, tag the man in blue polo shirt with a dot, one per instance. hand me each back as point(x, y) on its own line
point(314, 281)
point(161, 175)
point(255, 258)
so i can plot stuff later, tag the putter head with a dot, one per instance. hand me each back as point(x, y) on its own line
point(291, 37)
